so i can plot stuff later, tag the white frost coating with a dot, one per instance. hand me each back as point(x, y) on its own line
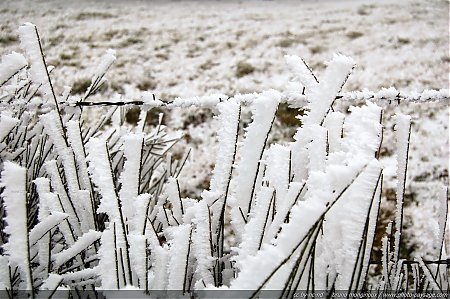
point(141, 203)
point(140, 209)
point(10, 65)
point(263, 112)
point(278, 170)
point(84, 274)
point(132, 145)
point(54, 130)
point(278, 281)
point(320, 99)
point(100, 171)
point(201, 245)
point(209, 101)
point(77, 204)
point(317, 148)
point(298, 67)
point(334, 124)
point(40, 235)
point(435, 95)
point(81, 244)
point(402, 134)
point(122, 252)
point(13, 179)
point(49, 204)
point(52, 282)
point(344, 225)
point(160, 261)
point(150, 101)
point(7, 123)
point(179, 247)
point(70, 172)
point(45, 204)
point(254, 230)
point(228, 121)
point(388, 95)
point(362, 130)
point(173, 195)
point(340, 241)
point(40, 229)
point(107, 260)
point(107, 60)
point(29, 42)
point(322, 96)
point(162, 215)
point(138, 256)
point(227, 134)
point(283, 210)
point(257, 268)
point(86, 210)
point(300, 159)
point(58, 186)
point(76, 143)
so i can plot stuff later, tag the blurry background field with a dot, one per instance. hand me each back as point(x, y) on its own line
point(186, 48)
point(189, 48)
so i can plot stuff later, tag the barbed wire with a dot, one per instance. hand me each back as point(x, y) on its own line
point(411, 262)
point(384, 96)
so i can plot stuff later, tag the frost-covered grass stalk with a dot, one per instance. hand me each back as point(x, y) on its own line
point(99, 207)
point(64, 184)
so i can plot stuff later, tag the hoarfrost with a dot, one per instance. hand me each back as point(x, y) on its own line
point(278, 170)
point(81, 244)
point(201, 243)
point(130, 176)
point(251, 150)
point(29, 41)
point(173, 194)
point(180, 239)
point(52, 282)
point(80, 275)
point(323, 95)
point(107, 60)
point(13, 179)
point(100, 171)
point(107, 266)
point(254, 230)
point(45, 225)
point(138, 256)
point(11, 64)
point(7, 123)
point(228, 121)
point(150, 101)
point(299, 68)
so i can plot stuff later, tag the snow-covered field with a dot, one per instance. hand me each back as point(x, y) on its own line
point(187, 48)
point(190, 48)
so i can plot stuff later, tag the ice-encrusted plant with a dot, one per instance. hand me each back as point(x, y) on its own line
point(98, 206)
point(59, 192)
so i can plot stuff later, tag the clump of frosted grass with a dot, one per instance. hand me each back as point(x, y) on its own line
point(99, 207)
